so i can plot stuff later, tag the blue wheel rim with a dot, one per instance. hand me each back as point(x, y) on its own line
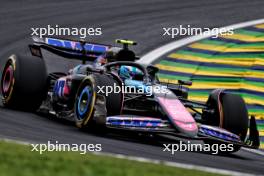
point(84, 101)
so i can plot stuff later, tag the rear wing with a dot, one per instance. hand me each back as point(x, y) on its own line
point(73, 49)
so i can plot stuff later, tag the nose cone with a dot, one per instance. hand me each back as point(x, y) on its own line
point(179, 116)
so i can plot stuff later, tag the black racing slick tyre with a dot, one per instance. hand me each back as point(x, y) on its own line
point(233, 116)
point(23, 82)
point(88, 96)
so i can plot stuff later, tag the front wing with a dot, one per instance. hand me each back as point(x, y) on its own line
point(152, 125)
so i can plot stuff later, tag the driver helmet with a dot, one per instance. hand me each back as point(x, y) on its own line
point(129, 72)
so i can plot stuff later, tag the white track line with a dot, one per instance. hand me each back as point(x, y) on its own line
point(153, 161)
point(158, 52)
point(259, 152)
point(176, 164)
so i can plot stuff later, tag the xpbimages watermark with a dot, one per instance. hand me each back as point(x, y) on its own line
point(140, 89)
point(50, 30)
point(59, 147)
point(188, 30)
point(192, 147)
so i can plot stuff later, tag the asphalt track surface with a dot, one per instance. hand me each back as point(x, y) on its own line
point(140, 20)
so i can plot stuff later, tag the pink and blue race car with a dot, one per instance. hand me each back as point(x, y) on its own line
point(109, 89)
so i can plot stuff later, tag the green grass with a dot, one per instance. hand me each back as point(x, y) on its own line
point(19, 160)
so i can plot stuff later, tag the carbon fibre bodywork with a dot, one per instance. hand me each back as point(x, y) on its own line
point(169, 112)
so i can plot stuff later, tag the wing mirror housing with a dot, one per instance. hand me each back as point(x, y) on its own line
point(186, 83)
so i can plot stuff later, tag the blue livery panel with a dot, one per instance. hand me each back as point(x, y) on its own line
point(75, 45)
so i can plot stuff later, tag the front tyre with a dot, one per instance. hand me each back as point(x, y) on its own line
point(235, 116)
point(89, 99)
point(84, 103)
point(231, 114)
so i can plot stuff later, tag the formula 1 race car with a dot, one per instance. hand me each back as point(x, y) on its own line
point(112, 90)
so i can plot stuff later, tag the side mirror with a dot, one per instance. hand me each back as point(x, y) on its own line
point(152, 70)
point(187, 83)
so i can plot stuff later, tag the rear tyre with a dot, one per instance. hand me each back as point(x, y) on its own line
point(87, 96)
point(23, 82)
